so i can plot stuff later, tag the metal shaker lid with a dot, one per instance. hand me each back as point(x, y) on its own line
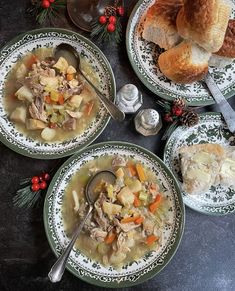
point(129, 99)
point(148, 122)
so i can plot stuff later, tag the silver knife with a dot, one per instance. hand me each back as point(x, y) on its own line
point(225, 108)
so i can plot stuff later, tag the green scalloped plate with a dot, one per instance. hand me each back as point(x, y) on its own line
point(219, 200)
point(143, 56)
point(134, 272)
point(48, 37)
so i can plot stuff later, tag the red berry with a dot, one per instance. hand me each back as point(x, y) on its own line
point(40, 178)
point(120, 10)
point(35, 187)
point(43, 185)
point(168, 117)
point(45, 4)
point(35, 180)
point(112, 19)
point(46, 177)
point(177, 111)
point(102, 19)
point(111, 27)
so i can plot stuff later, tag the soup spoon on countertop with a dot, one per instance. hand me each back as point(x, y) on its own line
point(113, 110)
point(58, 268)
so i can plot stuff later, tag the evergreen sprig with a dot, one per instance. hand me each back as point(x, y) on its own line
point(101, 34)
point(46, 14)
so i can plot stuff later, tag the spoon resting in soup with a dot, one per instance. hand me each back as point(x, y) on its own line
point(129, 215)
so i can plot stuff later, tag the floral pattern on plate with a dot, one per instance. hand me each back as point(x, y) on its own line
point(27, 42)
point(143, 56)
point(211, 128)
point(134, 272)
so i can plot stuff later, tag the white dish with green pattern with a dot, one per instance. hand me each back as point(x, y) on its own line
point(219, 200)
point(143, 56)
point(93, 272)
point(25, 43)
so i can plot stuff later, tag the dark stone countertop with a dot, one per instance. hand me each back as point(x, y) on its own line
point(205, 259)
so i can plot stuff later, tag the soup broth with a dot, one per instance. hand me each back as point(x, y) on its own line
point(128, 218)
point(55, 112)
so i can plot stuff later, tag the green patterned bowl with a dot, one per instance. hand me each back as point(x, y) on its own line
point(90, 271)
point(219, 200)
point(143, 56)
point(21, 45)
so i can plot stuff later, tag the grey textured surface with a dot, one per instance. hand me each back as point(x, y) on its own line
point(205, 259)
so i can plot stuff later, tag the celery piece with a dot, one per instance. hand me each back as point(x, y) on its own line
point(54, 118)
point(110, 191)
point(54, 96)
point(143, 196)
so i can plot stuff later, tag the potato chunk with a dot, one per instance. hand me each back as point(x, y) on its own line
point(19, 115)
point(125, 196)
point(111, 208)
point(48, 133)
point(62, 65)
point(24, 94)
point(33, 124)
point(135, 186)
point(71, 70)
point(76, 101)
point(21, 71)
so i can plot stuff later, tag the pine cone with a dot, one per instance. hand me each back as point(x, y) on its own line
point(179, 102)
point(189, 118)
point(110, 10)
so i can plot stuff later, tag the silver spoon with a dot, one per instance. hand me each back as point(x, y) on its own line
point(66, 49)
point(58, 268)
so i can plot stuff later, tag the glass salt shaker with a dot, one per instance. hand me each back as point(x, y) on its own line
point(129, 99)
point(148, 122)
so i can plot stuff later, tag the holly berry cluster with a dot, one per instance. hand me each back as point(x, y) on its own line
point(46, 3)
point(40, 182)
point(110, 20)
point(175, 111)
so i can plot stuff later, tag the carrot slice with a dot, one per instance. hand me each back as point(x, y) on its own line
point(32, 60)
point(129, 219)
point(89, 107)
point(151, 239)
point(110, 238)
point(137, 201)
point(153, 206)
point(47, 99)
point(69, 77)
point(61, 99)
point(141, 172)
point(131, 169)
point(139, 220)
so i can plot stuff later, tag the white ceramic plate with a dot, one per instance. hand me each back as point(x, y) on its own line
point(134, 272)
point(27, 42)
point(143, 56)
point(211, 128)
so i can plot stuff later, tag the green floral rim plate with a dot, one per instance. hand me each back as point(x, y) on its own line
point(26, 42)
point(143, 56)
point(137, 271)
point(211, 128)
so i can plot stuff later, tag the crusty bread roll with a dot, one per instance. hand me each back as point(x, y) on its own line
point(205, 22)
point(226, 54)
point(160, 23)
point(184, 63)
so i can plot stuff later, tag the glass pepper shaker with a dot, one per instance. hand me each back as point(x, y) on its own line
point(148, 122)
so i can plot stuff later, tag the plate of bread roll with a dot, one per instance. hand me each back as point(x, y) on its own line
point(202, 158)
point(172, 44)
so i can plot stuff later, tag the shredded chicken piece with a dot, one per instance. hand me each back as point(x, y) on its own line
point(121, 243)
point(98, 234)
point(70, 124)
point(37, 112)
point(125, 226)
point(119, 161)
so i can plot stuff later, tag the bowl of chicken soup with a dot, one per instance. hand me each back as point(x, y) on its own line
point(137, 222)
point(47, 109)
